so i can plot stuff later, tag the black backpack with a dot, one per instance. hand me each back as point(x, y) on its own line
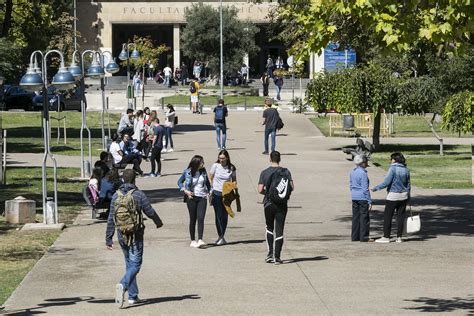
point(219, 117)
point(192, 87)
point(278, 188)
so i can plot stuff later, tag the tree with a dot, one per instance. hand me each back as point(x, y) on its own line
point(457, 114)
point(309, 25)
point(200, 37)
point(149, 54)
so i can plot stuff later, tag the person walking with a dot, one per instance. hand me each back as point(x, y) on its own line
point(276, 184)
point(279, 63)
point(265, 82)
point(221, 171)
point(197, 70)
point(194, 89)
point(169, 125)
point(184, 74)
point(278, 81)
point(220, 114)
point(196, 187)
point(156, 147)
point(397, 182)
point(270, 120)
point(168, 72)
point(132, 246)
point(361, 201)
point(269, 66)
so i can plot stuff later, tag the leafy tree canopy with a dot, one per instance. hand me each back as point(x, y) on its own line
point(149, 53)
point(200, 37)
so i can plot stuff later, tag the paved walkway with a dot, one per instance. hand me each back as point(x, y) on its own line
point(324, 272)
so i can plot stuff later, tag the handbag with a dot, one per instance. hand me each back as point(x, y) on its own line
point(412, 223)
point(175, 120)
point(279, 124)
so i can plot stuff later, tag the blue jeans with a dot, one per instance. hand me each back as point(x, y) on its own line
point(278, 90)
point(360, 220)
point(168, 81)
point(133, 261)
point(272, 132)
point(168, 138)
point(221, 214)
point(221, 127)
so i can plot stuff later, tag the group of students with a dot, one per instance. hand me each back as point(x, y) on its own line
point(140, 136)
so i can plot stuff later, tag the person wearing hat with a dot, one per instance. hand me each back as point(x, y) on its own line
point(361, 201)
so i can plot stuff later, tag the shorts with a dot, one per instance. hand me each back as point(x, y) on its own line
point(194, 99)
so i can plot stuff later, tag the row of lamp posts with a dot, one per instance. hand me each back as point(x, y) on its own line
point(36, 79)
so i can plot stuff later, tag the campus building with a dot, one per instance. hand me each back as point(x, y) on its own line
point(107, 24)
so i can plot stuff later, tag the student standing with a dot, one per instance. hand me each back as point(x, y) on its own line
point(265, 82)
point(361, 201)
point(169, 125)
point(194, 89)
point(397, 182)
point(133, 250)
point(220, 114)
point(275, 178)
point(270, 120)
point(196, 187)
point(156, 147)
point(221, 171)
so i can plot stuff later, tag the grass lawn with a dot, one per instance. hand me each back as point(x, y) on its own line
point(427, 168)
point(24, 132)
point(404, 126)
point(19, 250)
point(237, 100)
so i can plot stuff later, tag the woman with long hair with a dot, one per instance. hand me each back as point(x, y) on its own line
point(149, 134)
point(397, 182)
point(169, 125)
point(195, 185)
point(221, 171)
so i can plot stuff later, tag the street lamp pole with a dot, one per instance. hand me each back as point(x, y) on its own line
point(125, 55)
point(75, 25)
point(222, 52)
point(34, 80)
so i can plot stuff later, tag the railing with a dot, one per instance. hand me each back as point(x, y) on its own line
point(363, 124)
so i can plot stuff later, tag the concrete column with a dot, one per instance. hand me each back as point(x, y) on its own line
point(246, 61)
point(176, 48)
point(316, 64)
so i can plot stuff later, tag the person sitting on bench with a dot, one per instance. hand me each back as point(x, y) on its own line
point(126, 123)
point(108, 186)
point(120, 158)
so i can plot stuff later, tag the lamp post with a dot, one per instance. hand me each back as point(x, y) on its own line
point(2, 79)
point(125, 55)
point(222, 52)
point(112, 68)
point(34, 80)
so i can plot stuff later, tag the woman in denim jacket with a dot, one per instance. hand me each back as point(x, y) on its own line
point(196, 187)
point(397, 182)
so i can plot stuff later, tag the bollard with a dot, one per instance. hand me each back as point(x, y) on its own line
point(50, 211)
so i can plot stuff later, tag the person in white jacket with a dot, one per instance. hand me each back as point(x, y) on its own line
point(169, 125)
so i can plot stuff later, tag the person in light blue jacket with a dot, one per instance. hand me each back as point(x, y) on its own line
point(397, 182)
point(195, 184)
point(361, 201)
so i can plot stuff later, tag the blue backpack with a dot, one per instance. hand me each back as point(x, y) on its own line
point(219, 117)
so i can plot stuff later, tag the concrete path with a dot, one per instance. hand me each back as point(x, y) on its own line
point(324, 272)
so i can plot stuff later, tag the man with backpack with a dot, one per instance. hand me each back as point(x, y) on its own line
point(126, 214)
point(276, 184)
point(220, 113)
point(194, 89)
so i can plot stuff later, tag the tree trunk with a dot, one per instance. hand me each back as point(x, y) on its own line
point(7, 21)
point(376, 134)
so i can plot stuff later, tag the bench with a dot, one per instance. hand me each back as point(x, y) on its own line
point(94, 208)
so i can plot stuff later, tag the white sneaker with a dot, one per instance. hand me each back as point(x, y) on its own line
point(163, 150)
point(383, 240)
point(170, 150)
point(200, 243)
point(399, 240)
point(193, 244)
point(119, 294)
point(157, 175)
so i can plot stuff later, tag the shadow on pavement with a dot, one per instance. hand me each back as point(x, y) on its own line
point(243, 242)
point(295, 260)
point(182, 128)
point(163, 195)
point(437, 305)
point(448, 215)
point(158, 300)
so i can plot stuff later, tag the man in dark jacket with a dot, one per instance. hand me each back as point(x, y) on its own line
point(133, 252)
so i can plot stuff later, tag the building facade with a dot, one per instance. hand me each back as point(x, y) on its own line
point(107, 24)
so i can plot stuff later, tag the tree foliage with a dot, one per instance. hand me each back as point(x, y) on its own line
point(457, 114)
point(200, 37)
point(149, 52)
point(309, 25)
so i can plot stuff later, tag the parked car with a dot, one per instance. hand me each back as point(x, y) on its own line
point(69, 100)
point(15, 97)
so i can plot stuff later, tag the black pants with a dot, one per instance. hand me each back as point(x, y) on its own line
point(156, 157)
point(221, 214)
point(197, 211)
point(265, 90)
point(135, 160)
point(360, 220)
point(275, 216)
point(390, 208)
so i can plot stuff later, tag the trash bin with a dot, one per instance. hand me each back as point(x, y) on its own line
point(347, 121)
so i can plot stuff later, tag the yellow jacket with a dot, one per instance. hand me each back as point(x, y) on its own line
point(196, 84)
point(229, 194)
